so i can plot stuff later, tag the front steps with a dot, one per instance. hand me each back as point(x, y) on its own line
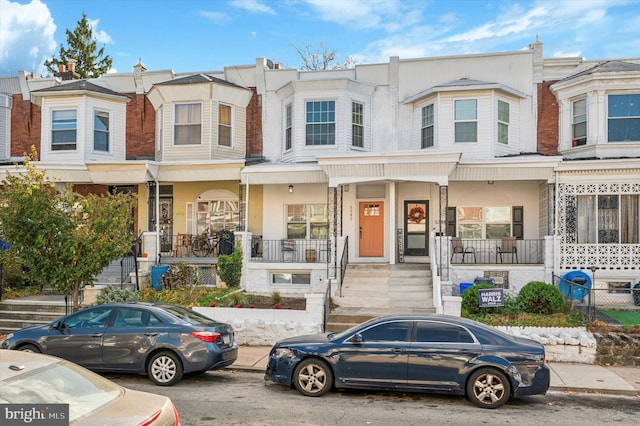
point(371, 290)
point(29, 311)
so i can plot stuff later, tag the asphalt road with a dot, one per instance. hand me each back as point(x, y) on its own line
point(243, 398)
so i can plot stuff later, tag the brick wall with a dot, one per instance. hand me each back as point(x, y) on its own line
point(141, 128)
point(618, 349)
point(548, 116)
point(25, 126)
point(254, 126)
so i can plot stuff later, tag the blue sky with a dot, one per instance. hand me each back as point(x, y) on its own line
point(206, 35)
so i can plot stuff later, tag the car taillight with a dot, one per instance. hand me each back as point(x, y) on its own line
point(149, 420)
point(206, 336)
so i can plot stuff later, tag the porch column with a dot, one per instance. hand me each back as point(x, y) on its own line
point(393, 238)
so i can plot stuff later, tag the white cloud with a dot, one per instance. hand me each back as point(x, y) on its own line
point(100, 36)
point(26, 31)
point(215, 17)
point(390, 15)
point(253, 6)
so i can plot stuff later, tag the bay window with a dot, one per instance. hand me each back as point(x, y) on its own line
point(187, 124)
point(64, 124)
point(357, 125)
point(224, 125)
point(321, 123)
point(503, 122)
point(428, 125)
point(579, 122)
point(101, 131)
point(466, 124)
point(624, 118)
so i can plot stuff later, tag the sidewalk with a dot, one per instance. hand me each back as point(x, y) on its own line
point(565, 377)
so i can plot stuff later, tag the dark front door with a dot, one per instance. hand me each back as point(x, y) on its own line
point(416, 231)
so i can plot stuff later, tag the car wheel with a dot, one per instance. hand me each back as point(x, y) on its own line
point(165, 369)
point(313, 377)
point(29, 348)
point(488, 388)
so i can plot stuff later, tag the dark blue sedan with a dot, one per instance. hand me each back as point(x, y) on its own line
point(414, 353)
point(162, 341)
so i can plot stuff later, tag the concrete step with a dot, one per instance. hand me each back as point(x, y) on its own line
point(31, 311)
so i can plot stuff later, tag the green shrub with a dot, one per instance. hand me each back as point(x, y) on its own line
point(230, 268)
point(113, 294)
point(538, 297)
point(470, 302)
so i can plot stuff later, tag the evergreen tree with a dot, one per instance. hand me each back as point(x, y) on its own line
point(82, 47)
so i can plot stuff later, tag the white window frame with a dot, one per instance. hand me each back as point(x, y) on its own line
point(193, 124)
point(329, 122)
point(96, 114)
point(613, 119)
point(460, 117)
point(65, 146)
point(472, 221)
point(503, 123)
point(357, 124)
point(307, 220)
point(223, 126)
point(428, 126)
point(288, 127)
point(578, 121)
point(290, 274)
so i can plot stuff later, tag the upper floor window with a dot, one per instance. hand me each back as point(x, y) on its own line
point(466, 124)
point(64, 126)
point(288, 126)
point(428, 124)
point(579, 122)
point(101, 131)
point(321, 123)
point(503, 122)
point(624, 118)
point(224, 125)
point(357, 124)
point(187, 124)
point(307, 221)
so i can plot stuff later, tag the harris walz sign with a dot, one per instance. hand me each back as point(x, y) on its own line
point(491, 297)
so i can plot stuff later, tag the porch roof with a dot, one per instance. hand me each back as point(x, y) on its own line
point(516, 168)
point(416, 166)
point(279, 173)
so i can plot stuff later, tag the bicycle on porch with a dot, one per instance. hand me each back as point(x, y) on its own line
point(206, 244)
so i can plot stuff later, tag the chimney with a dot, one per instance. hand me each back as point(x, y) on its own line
point(276, 66)
point(71, 65)
point(61, 68)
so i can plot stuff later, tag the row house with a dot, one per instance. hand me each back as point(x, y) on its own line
point(504, 165)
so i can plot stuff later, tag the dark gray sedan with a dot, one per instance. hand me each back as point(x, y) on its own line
point(414, 353)
point(162, 341)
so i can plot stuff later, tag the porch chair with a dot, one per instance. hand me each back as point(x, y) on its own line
point(508, 246)
point(458, 248)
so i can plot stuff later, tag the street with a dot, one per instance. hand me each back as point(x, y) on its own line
point(242, 398)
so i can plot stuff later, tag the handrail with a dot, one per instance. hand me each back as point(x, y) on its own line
point(344, 261)
point(435, 272)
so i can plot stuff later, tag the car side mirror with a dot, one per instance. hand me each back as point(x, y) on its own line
point(356, 339)
point(57, 325)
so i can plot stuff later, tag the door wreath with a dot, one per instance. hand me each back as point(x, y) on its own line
point(416, 214)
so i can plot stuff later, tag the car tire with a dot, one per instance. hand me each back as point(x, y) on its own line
point(313, 377)
point(488, 388)
point(29, 348)
point(165, 369)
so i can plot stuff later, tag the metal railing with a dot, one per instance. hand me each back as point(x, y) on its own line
point(292, 251)
point(578, 295)
point(344, 261)
point(488, 251)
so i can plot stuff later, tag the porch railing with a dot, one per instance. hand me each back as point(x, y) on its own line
point(489, 251)
point(292, 251)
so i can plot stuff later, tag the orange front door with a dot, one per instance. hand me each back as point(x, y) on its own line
point(372, 228)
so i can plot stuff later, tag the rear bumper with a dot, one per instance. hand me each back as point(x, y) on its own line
point(538, 386)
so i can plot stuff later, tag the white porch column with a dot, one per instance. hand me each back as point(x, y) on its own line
point(393, 252)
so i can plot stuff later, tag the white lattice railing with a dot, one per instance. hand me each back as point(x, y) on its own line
point(603, 256)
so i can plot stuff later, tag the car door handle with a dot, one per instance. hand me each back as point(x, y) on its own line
point(150, 333)
point(399, 350)
point(96, 335)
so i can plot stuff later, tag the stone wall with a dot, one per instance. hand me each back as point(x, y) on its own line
point(618, 349)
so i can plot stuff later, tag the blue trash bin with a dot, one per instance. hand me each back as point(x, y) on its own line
point(156, 276)
point(464, 286)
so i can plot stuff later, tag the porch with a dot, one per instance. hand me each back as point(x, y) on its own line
point(496, 251)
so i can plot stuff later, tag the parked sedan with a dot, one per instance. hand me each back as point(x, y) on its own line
point(35, 382)
point(414, 353)
point(162, 341)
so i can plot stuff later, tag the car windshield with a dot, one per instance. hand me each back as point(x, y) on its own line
point(346, 333)
point(61, 383)
point(190, 316)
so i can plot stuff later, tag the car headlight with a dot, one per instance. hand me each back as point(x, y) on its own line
point(283, 353)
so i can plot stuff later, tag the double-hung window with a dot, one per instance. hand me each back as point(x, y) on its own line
point(288, 126)
point(64, 125)
point(101, 131)
point(357, 124)
point(428, 124)
point(579, 122)
point(503, 122)
point(187, 124)
point(224, 125)
point(484, 222)
point(307, 221)
point(466, 120)
point(624, 118)
point(321, 123)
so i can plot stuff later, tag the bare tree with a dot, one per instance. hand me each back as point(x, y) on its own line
point(321, 58)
